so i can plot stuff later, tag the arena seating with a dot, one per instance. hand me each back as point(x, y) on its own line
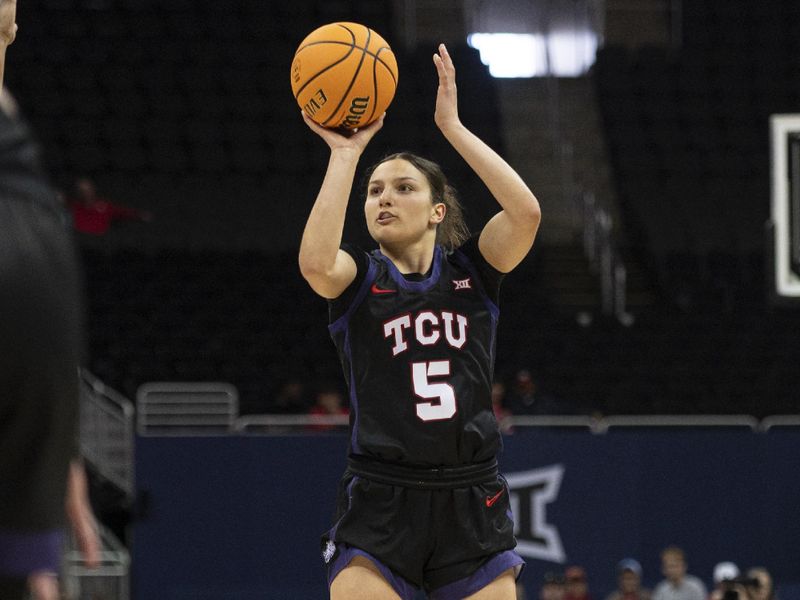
point(188, 104)
point(190, 98)
point(250, 319)
point(179, 87)
point(688, 135)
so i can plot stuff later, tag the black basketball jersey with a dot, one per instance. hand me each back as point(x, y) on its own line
point(418, 358)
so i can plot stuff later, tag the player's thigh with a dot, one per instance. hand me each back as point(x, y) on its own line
point(361, 580)
point(504, 587)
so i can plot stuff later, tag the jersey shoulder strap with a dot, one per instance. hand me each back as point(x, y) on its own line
point(369, 278)
point(465, 263)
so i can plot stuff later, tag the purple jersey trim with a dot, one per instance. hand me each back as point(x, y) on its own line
point(342, 323)
point(354, 446)
point(494, 310)
point(404, 589)
point(332, 532)
point(24, 553)
point(415, 286)
point(490, 571)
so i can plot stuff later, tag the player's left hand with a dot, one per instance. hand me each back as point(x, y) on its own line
point(446, 114)
point(8, 24)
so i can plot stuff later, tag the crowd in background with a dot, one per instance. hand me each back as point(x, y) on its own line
point(729, 582)
point(520, 396)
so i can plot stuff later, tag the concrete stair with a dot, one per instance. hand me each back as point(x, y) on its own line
point(555, 140)
point(568, 280)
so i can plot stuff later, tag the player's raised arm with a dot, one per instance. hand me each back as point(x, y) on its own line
point(509, 235)
point(328, 269)
point(8, 31)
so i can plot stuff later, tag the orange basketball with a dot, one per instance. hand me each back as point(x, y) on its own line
point(344, 75)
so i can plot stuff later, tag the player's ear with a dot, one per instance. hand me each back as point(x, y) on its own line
point(438, 211)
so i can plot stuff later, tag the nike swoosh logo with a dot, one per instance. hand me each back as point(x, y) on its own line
point(376, 290)
point(490, 501)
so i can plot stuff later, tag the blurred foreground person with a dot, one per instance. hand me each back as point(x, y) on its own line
point(40, 343)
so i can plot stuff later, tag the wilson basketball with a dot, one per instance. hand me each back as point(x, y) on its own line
point(344, 75)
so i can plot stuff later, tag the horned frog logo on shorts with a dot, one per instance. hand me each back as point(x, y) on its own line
point(329, 551)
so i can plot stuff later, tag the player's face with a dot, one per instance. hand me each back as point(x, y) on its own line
point(399, 208)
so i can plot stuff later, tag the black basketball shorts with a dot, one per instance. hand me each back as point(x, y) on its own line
point(449, 541)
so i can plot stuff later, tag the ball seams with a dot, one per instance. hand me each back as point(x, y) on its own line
point(361, 73)
point(375, 55)
point(335, 111)
point(378, 59)
point(321, 71)
point(330, 66)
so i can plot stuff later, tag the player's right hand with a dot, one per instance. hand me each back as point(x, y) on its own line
point(355, 140)
point(8, 21)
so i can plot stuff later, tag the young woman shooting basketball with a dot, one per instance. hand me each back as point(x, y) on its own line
point(421, 504)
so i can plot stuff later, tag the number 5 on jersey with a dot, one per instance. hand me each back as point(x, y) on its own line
point(421, 372)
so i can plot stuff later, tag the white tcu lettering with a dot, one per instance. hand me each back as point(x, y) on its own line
point(426, 339)
point(395, 327)
point(427, 329)
point(455, 342)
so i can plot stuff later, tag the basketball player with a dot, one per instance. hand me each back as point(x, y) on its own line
point(40, 332)
point(421, 504)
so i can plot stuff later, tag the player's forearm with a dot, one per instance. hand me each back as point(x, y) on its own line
point(322, 235)
point(8, 31)
point(2, 64)
point(503, 182)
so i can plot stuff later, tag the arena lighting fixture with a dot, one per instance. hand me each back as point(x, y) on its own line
point(511, 54)
point(560, 53)
point(785, 143)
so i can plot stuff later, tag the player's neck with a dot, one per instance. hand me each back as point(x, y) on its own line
point(414, 258)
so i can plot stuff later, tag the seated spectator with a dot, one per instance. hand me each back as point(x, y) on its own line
point(552, 587)
point(576, 584)
point(498, 404)
point(677, 583)
point(765, 589)
point(92, 214)
point(629, 582)
point(329, 401)
point(724, 573)
point(525, 397)
point(291, 398)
